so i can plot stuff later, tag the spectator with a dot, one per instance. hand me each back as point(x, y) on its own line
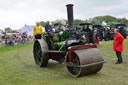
point(118, 46)
point(103, 32)
point(6, 41)
point(19, 39)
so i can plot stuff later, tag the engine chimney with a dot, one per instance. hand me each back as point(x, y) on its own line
point(70, 16)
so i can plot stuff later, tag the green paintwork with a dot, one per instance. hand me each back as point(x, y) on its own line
point(61, 45)
point(58, 39)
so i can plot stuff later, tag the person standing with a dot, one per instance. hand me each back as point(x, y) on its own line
point(102, 33)
point(118, 46)
point(38, 31)
point(48, 27)
point(6, 40)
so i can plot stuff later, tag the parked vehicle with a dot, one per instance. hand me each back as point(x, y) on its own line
point(122, 29)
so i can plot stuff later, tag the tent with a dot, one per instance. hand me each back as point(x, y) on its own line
point(26, 29)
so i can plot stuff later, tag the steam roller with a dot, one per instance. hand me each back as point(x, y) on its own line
point(76, 48)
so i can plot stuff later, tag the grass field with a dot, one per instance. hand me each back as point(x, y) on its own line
point(17, 67)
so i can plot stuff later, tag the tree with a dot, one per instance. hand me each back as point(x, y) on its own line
point(8, 30)
point(4, 33)
point(110, 20)
point(42, 23)
point(78, 21)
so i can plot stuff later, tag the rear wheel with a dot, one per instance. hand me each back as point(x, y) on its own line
point(41, 58)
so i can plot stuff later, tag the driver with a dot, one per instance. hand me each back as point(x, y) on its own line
point(48, 27)
point(87, 29)
point(88, 34)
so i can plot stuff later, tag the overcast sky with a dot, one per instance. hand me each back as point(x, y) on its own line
point(17, 13)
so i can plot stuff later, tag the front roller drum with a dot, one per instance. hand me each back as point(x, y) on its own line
point(84, 61)
point(41, 57)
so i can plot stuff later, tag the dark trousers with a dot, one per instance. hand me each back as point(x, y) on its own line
point(38, 36)
point(119, 56)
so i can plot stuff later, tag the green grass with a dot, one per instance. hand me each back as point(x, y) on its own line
point(13, 48)
point(17, 67)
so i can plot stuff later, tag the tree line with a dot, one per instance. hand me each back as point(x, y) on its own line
point(110, 20)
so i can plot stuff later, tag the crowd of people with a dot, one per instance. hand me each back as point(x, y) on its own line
point(11, 39)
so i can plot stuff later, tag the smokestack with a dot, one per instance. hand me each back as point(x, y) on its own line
point(70, 16)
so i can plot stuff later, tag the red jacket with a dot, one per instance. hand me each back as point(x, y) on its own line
point(118, 42)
